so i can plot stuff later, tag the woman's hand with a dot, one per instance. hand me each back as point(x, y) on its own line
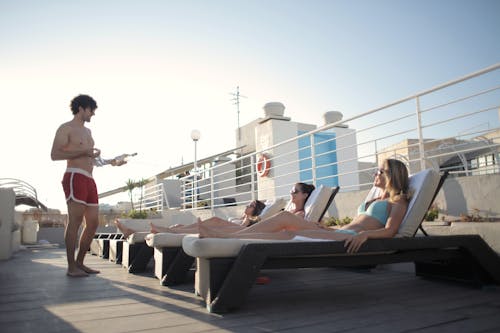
point(353, 243)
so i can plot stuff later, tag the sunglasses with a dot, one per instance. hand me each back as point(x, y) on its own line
point(294, 191)
point(380, 172)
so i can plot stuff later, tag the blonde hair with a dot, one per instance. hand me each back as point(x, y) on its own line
point(397, 182)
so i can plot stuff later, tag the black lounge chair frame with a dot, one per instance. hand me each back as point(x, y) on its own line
point(136, 256)
point(100, 244)
point(463, 258)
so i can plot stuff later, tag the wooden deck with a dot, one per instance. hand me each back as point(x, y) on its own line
point(37, 296)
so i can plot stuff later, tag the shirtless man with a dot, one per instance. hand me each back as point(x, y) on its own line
point(73, 142)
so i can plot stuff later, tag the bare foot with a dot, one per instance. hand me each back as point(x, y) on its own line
point(76, 272)
point(87, 269)
point(153, 229)
point(125, 230)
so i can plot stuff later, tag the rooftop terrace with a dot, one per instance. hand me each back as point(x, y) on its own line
point(37, 296)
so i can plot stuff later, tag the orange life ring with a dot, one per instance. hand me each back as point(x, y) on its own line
point(263, 165)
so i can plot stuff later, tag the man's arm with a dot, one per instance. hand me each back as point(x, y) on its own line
point(59, 146)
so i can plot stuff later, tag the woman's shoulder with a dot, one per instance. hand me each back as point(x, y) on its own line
point(299, 212)
point(400, 204)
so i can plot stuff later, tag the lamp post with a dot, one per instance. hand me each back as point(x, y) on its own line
point(195, 136)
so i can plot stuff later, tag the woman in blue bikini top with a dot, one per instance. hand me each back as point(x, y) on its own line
point(378, 209)
point(379, 218)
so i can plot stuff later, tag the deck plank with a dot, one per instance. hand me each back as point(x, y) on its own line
point(36, 295)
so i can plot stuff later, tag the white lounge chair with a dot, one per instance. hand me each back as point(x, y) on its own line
point(172, 263)
point(227, 268)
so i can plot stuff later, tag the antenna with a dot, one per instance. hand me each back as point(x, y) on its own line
point(236, 100)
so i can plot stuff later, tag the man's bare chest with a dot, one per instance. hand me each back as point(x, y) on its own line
point(81, 138)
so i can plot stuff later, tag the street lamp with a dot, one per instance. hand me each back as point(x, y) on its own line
point(195, 136)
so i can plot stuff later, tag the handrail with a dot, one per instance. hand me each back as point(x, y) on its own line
point(25, 193)
point(344, 152)
point(420, 127)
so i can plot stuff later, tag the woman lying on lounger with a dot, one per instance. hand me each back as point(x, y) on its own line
point(249, 217)
point(378, 218)
point(299, 194)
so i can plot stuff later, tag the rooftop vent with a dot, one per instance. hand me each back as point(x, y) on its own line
point(332, 116)
point(274, 110)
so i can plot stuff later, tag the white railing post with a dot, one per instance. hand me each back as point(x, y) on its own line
point(212, 187)
point(421, 147)
point(253, 178)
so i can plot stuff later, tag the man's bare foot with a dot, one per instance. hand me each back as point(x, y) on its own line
point(76, 272)
point(87, 269)
point(125, 230)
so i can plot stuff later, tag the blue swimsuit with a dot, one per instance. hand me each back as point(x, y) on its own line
point(377, 210)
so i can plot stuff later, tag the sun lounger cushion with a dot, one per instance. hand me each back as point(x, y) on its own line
point(165, 239)
point(220, 247)
point(316, 203)
point(422, 186)
point(137, 237)
point(272, 207)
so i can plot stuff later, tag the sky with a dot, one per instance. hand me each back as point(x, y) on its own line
point(159, 69)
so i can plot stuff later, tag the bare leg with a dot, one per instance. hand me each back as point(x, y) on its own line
point(218, 222)
point(126, 231)
point(91, 223)
point(281, 221)
point(75, 217)
point(194, 229)
point(210, 232)
point(178, 229)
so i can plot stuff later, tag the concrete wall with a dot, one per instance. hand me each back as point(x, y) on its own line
point(282, 175)
point(462, 195)
point(489, 231)
point(7, 204)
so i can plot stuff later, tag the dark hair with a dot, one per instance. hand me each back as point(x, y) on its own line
point(85, 101)
point(305, 188)
point(259, 207)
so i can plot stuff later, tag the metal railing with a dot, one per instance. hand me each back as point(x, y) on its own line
point(453, 126)
point(150, 198)
point(25, 193)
